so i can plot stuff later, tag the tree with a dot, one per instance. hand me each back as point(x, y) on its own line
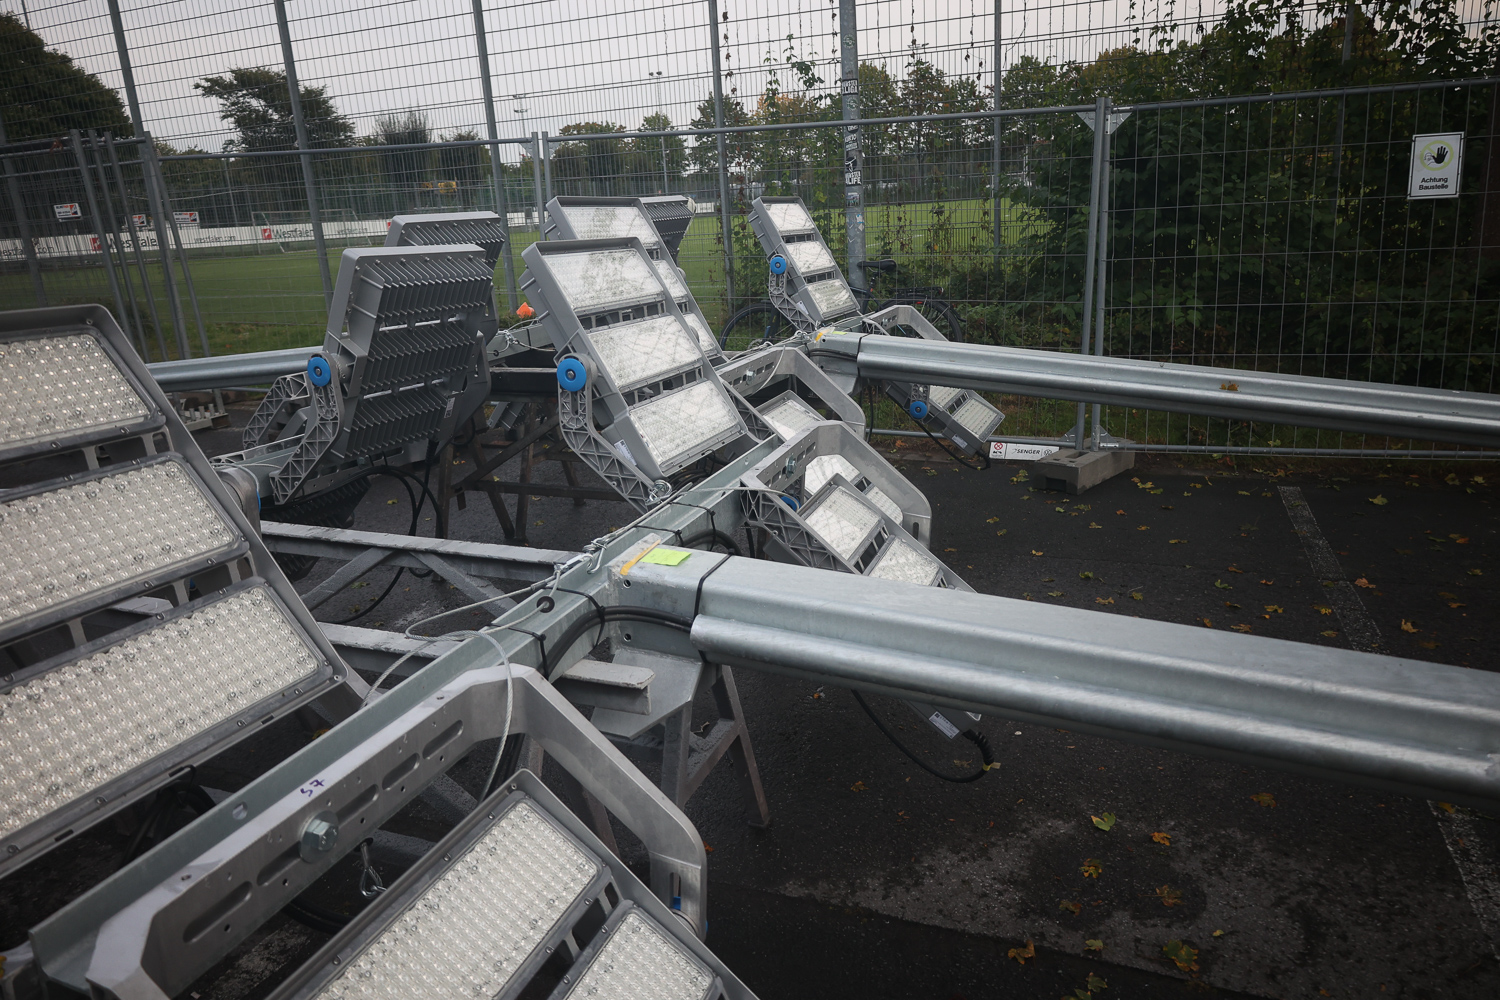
point(704, 154)
point(661, 160)
point(468, 166)
point(44, 94)
point(405, 169)
point(259, 106)
point(595, 164)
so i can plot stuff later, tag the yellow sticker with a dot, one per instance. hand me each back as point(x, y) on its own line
point(665, 557)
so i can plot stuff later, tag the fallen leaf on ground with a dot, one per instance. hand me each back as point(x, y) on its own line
point(1323, 609)
point(1119, 512)
point(991, 520)
point(1054, 593)
point(1185, 958)
point(1135, 595)
point(1093, 944)
point(1265, 799)
point(1222, 585)
point(1093, 525)
point(1243, 493)
point(1378, 501)
point(1218, 933)
point(1070, 906)
point(1476, 572)
point(1086, 575)
point(1231, 605)
point(1275, 609)
point(392, 503)
point(858, 786)
point(1446, 807)
point(1176, 541)
point(1104, 600)
point(1362, 582)
point(1240, 628)
point(1091, 868)
point(1001, 531)
point(1330, 633)
point(1022, 954)
point(1269, 583)
point(1206, 622)
point(1407, 626)
point(707, 848)
point(1233, 569)
point(1035, 552)
point(950, 550)
point(1105, 822)
point(1169, 896)
point(1164, 839)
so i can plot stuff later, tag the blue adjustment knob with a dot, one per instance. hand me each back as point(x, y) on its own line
point(319, 371)
point(778, 264)
point(571, 374)
point(918, 409)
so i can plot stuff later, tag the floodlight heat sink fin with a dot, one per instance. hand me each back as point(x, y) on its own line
point(485, 230)
point(96, 712)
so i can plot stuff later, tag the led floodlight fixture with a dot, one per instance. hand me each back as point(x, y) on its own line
point(519, 895)
point(403, 364)
point(485, 230)
point(672, 214)
point(638, 399)
point(811, 293)
point(577, 218)
point(107, 499)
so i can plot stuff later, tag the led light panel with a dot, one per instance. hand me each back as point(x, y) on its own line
point(644, 350)
point(942, 395)
point(787, 418)
point(71, 729)
point(832, 297)
point(790, 217)
point(842, 521)
point(706, 340)
point(677, 426)
point(472, 929)
point(811, 257)
point(975, 417)
point(822, 469)
point(905, 562)
point(605, 222)
point(62, 545)
point(639, 962)
point(597, 280)
point(55, 387)
point(669, 277)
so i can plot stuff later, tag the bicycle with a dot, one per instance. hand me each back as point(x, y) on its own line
point(761, 322)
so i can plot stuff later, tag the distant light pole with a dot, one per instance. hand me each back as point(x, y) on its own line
point(521, 109)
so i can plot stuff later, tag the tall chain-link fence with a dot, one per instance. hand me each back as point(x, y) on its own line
point(1269, 233)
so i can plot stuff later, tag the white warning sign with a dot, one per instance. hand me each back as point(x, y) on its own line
point(1436, 160)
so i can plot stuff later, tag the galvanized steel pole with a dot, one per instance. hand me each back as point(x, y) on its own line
point(995, 182)
point(536, 183)
point(854, 188)
point(160, 210)
point(98, 220)
point(1101, 264)
point(724, 226)
point(135, 242)
point(1091, 246)
point(139, 334)
point(308, 181)
point(497, 169)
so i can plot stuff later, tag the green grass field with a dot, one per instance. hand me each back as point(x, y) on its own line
point(271, 299)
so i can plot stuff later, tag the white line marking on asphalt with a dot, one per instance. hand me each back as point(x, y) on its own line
point(1359, 628)
point(1481, 883)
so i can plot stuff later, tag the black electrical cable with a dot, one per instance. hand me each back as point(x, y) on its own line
point(510, 761)
point(972, 735)
point(581, 627)
point(718, 536)
point(315, 917)
point(977, 468)
point(405, 479)
point(184, 795)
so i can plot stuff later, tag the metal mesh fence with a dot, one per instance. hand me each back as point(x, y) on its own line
point(1266, 234)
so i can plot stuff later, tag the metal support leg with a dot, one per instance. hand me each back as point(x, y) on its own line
point(676, 745)
point(727, 698)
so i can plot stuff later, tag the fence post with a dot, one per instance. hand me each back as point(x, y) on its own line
point(536, 184)
point(119, 243)
point(127, 73)
point(1101, 260)
point(14, 190)
point(713, 37)
point(182, 258)
point(306, 157)
point(995, 183)
point(93, 203)
point(854, 186)
point(497, 169)
point(1091, 247)
point(135, 241)
point(157, 197)
point(546, 149)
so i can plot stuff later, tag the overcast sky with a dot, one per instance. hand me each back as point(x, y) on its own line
point(571, 60)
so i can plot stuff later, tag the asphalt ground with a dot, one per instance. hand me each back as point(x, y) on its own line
point(877, 880)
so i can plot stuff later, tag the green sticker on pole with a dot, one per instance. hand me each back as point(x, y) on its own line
point(666, 557)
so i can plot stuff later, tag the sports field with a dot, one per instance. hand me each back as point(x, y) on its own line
point(259, 301)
